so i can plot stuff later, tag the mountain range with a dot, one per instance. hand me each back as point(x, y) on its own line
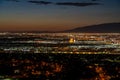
point(100, 28)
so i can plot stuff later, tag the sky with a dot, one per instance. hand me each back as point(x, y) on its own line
point(56, 15)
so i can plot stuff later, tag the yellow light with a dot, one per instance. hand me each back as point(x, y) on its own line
point(71, 40)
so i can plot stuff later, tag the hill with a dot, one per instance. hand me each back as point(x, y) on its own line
point(100, 28)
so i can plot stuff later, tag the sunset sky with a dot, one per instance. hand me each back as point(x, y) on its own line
point(56, 15)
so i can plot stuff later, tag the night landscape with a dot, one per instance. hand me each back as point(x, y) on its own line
point(59, 40)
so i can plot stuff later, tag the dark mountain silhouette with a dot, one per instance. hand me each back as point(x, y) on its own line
point(101, 28)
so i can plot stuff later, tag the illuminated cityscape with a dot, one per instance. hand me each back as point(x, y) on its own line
point(59, 56)
point(59, 39)
point(74, 43)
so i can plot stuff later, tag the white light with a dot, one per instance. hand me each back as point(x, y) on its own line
point(7, 79)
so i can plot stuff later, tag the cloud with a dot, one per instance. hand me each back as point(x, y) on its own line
point(76, 4)
point(66, 3)
point(40, 2)
point(95, 0)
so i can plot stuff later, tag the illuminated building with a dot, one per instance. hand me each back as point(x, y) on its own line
point(72, 40)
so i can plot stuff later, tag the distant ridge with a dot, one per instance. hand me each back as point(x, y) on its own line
point(100, 28)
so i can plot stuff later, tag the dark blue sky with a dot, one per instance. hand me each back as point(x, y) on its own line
point(56, 15)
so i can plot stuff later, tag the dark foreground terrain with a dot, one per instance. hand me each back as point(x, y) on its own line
point(59, 66)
